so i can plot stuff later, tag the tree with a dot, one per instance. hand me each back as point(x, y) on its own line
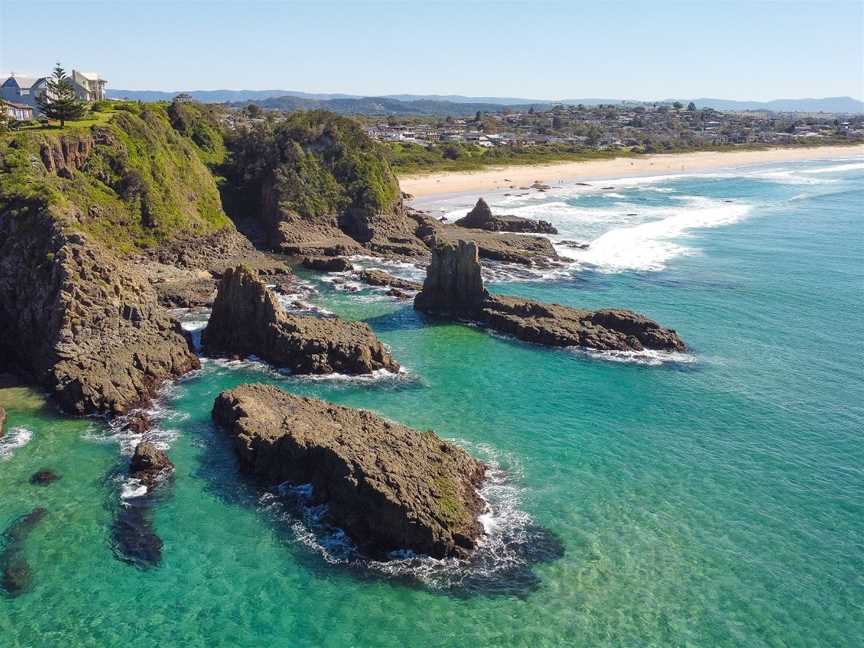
point(254, 110)
point(478, 117)
point(59, 100)
point(677, 105)
point(691, 107)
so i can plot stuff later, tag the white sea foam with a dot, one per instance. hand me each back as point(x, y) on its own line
point(16, 437)
point(131, 488)
point(648, 246)
point(649, 357)
point(851, 166)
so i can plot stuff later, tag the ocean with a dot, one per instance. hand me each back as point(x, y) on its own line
point(713, 498)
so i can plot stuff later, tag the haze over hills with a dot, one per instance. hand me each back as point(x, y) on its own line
point(462, 105)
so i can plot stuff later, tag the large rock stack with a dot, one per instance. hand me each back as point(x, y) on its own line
point(454, 288)
point(247, 319)
point(481, 217)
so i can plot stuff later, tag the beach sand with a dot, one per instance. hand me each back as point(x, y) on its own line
point(661, 164)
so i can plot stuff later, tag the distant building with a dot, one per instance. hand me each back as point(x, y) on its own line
point(88, 85)
point(23, 90)
point(17, 111)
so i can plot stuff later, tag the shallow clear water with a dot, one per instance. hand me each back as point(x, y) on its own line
point(715, 499)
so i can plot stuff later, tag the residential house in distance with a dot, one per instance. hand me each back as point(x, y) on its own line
point(17, 111)
point(23, 90)
point(88, 85)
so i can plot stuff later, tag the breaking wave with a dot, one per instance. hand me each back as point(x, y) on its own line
point(16, 437)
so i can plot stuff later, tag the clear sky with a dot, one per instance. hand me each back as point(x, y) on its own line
point(538, 50)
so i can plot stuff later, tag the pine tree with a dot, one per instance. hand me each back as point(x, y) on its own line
point(59, 100)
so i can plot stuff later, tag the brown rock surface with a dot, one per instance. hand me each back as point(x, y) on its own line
point(149, 464)
point(2, 421)
point(388, 486)
point(248, 320)
point(81, 322)
point(327, 264)
point(381, 278)
point(454, 288)
point(497, 246)
point(481, 217)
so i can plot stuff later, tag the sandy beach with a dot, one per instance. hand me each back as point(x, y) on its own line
point(661, 164)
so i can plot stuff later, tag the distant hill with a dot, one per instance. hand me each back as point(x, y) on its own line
point(458, 105)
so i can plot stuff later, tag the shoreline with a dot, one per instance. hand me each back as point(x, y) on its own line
point(518, 176)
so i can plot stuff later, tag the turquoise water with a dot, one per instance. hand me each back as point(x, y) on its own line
point(715, 499)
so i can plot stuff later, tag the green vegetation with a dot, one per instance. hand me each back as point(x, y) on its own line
point(449, 505)
point(59, 100)
point(321, 165)
point(197, 121)
point(125, 176)
point(407, 159)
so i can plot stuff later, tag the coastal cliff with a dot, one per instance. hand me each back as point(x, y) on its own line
point(454, 288)
point(78, 317)
point(388, 486)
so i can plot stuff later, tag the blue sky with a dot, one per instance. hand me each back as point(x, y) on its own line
point(538, 50)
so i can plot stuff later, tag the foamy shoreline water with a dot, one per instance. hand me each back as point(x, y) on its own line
point(500, 178)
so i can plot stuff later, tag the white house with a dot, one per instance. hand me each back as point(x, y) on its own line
point(17, 111)
point(88, 85)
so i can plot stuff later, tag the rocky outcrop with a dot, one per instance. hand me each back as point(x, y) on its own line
point(149, 464)
point(453, 285)
point(65, 155)
point(480, 217)
point(247, 319)
point(454, 288)
point(327, 264)
point(2, 421)
point(78, 320)
point(497, 246)
point(134, 538)
point(381, 278)
point(15, 573)
point(388, 486)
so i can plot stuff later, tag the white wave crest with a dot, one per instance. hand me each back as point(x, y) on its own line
point(16, 437)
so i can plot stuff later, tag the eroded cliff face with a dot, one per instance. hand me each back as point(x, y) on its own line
point(79, 321)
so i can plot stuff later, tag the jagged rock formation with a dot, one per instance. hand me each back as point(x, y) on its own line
point(80, 322)
point(15, 574)
point(247, 319)
point(496, 246)
point(149, 464)
point(388, 486)
point(480, 217)
point(454, 288)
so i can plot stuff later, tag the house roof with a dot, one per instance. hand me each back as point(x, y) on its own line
point(16, 105)
point(25, 82)
point(90, 76)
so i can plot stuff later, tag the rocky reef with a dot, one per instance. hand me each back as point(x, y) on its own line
point(247, 319)
point(134, 538)
point(454, 288)
point(388, 486)
point(15, 573)
point(506, 247)
point(481, 217)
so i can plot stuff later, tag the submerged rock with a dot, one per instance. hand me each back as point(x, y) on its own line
point(388, 486)
point(481, 217)
point(135, 541)
point(15, 573)
point(454, 288)
point(247, 319)
point(43, 477)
